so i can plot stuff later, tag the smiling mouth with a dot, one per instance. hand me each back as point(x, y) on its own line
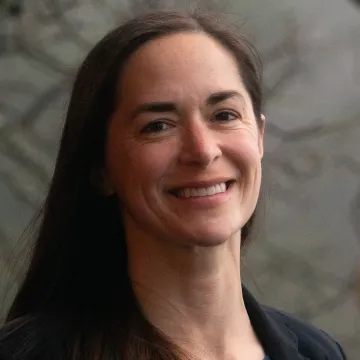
point(202, 191)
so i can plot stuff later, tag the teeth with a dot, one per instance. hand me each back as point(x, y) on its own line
point(211, 190)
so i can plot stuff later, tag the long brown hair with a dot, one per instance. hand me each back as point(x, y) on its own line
point(77, 279)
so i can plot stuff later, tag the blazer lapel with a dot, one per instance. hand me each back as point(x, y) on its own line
point(278, 341)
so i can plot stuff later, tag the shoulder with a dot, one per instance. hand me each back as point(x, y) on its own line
point(311, 341)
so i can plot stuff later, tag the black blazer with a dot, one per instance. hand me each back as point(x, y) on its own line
point(283, 336)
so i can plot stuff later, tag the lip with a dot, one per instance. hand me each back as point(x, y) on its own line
point(201, 184)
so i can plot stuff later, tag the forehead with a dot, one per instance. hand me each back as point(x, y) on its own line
point(180, 64)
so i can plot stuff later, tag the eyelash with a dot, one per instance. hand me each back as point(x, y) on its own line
point(148, 127)
point(234, 114)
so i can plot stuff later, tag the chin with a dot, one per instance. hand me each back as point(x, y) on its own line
point(209, 230)
point(209, 237)
point(209, 242)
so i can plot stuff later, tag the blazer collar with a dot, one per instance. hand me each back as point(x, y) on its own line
point(278, 341)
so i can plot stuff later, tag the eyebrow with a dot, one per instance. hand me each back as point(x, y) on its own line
point(155, 107)
point(160, 107)
point(218, 97)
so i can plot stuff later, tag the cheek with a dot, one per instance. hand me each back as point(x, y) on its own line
point(244, 151)
point(136, 168)
point(149, 168)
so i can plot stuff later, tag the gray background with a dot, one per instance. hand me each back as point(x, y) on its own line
point(305, 253)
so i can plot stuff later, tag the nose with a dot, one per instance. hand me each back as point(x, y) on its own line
point(199, 145)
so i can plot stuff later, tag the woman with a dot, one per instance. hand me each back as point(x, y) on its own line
point(155, 188)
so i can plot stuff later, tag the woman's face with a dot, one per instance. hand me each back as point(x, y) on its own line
point(183, 150)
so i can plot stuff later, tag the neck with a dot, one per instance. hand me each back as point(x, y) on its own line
point(194, 296)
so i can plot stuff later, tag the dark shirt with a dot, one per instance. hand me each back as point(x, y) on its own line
point(286, 337)
point(283, 337)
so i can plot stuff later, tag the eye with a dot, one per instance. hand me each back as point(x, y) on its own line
point(156, 127)
point(226, 116)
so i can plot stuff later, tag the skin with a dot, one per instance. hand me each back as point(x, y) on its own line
point(184, 254)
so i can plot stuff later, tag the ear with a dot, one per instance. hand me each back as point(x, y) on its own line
point(261, 135)
point(99, 180)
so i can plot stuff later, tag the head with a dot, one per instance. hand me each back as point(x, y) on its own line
point(164, 104)
point(183, 122)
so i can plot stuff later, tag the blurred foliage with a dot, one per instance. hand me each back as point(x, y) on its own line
point(12, 7)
